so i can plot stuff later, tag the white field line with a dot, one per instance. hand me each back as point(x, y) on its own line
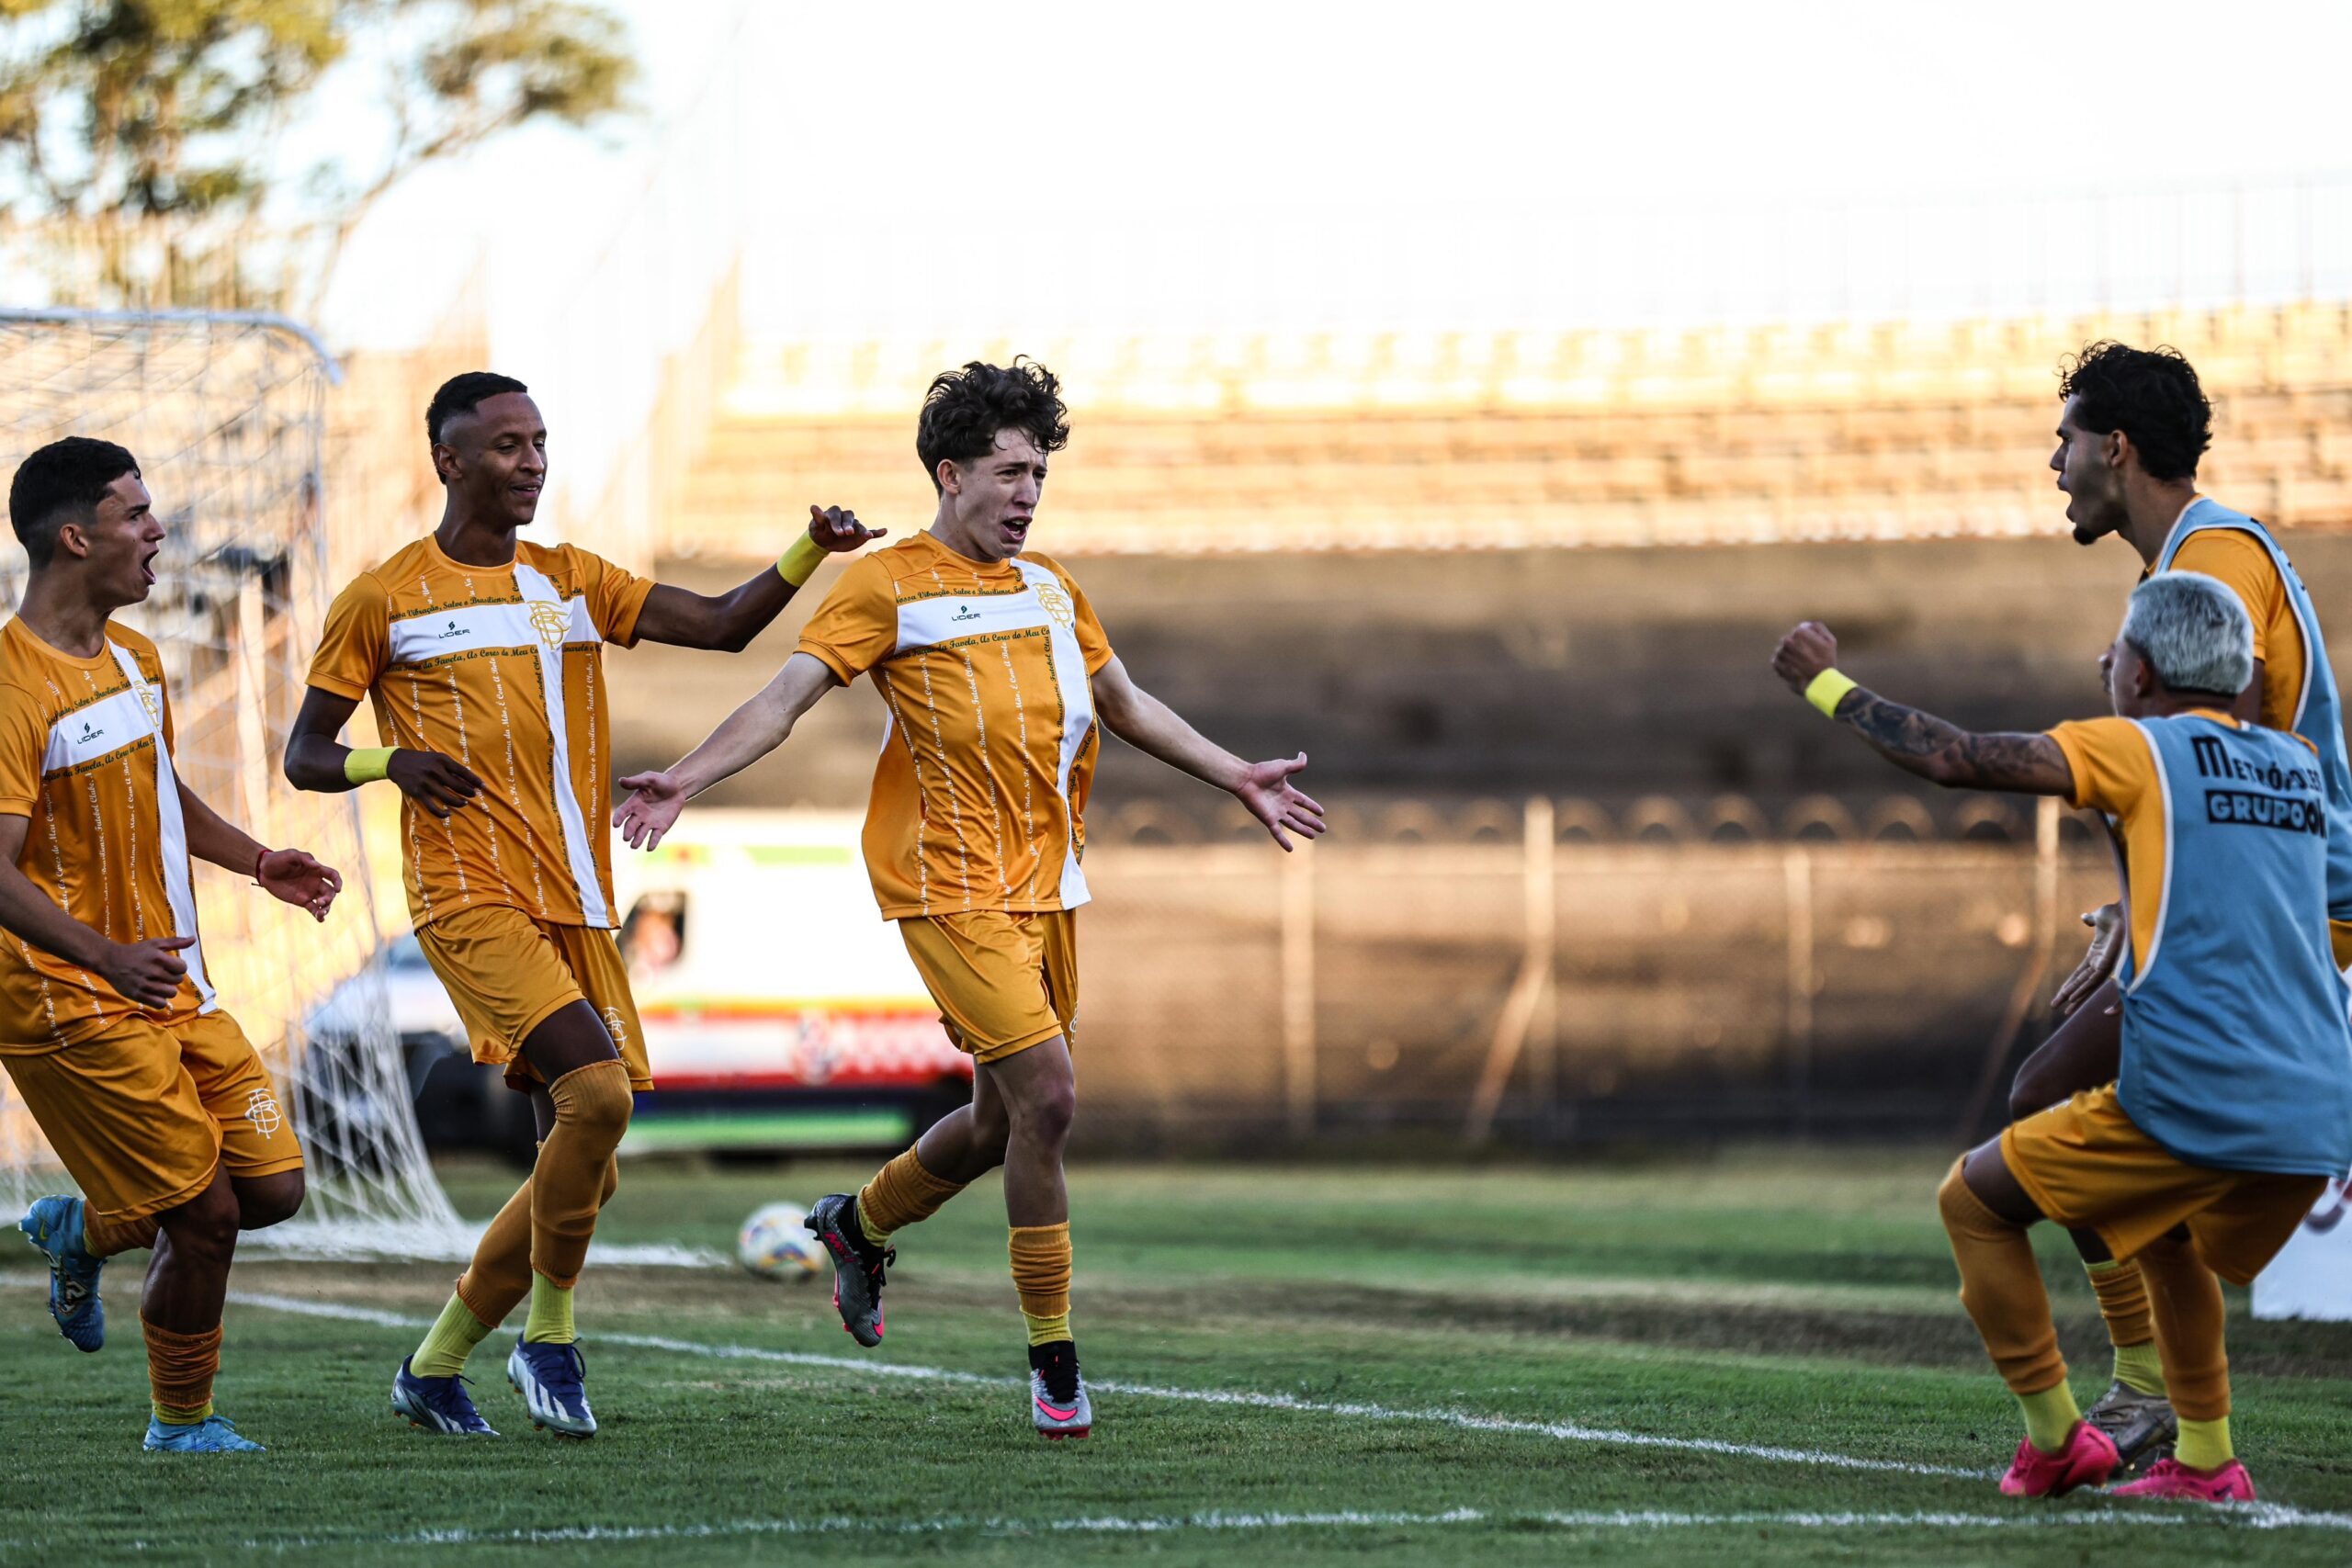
point(2253, 1516)
point(1564, 1431)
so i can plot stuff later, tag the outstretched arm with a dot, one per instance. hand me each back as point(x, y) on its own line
point(728, 622)
point(1148, 724)
point(748, 734)
point(1940, 752)
point(290, 875)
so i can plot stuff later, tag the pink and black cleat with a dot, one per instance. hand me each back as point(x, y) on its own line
point(2170, 1477)
point(858, 1266)
point(1057, 1401)
point(2087, 1460)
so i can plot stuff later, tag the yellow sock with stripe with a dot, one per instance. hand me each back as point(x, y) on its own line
point(1041, 1268)
point(550, 1319)
point(2051, 1417)
point(2122, 1292)
point(902, 1193)
point(449, 1341)
point(2204, 1445)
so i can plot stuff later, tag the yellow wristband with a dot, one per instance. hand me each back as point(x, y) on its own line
point(1826, 690)
point(368, 764)
point(799, 563)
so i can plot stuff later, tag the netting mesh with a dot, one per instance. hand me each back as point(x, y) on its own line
point(227, 417)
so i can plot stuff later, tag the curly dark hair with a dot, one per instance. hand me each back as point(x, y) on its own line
point(2150, 394)
point(61, 483)
point(964, 409)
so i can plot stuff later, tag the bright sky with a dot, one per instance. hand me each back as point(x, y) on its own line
point(1123, 167)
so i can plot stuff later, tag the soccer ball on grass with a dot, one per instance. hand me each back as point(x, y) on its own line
point(774, 1244)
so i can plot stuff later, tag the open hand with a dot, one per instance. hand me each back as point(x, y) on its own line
point(440, 784)
point(2098, 963)
point(1805, 652)
point(294, 876)
point(1266, 790)
point(836, 528)
point(150, 972)
point(652, 809)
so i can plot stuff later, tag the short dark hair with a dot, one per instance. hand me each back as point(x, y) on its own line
point(2151, 395)
point(964, 409)
point(463, 394)
point(62, 483)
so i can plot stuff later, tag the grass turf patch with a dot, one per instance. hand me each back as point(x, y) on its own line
point(1759, 1299)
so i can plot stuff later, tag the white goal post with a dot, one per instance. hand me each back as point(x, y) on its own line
point(226, 414)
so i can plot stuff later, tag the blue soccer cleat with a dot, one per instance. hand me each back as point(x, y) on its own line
point(438, 1405)
point(54, 1226)
point(550, 1378)
point(213, 1434)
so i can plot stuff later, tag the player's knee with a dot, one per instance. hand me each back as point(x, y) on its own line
point(1046, 1115)
point(268, 1200)
point(595, 1101)
point(205, 1225)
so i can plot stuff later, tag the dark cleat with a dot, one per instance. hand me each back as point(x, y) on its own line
point(858, 1266)
point(2141, 1426)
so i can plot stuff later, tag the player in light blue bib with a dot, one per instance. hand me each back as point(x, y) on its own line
point(2233, 1105)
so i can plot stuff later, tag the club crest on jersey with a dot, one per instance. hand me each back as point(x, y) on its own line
point(1056, 603)
point(261, 1109)
point(153, 704)
point(552, 622)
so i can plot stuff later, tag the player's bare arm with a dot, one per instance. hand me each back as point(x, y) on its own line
point(314, 759)
point(728, 622)
point(1934, 749)
point(147, 973)
point(748, 734)
point(291, 876)
point(1150, 726)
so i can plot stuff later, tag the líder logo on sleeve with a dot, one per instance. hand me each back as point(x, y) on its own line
point(551, 622)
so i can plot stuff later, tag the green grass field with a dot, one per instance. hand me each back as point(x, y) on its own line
point(1420, 1366)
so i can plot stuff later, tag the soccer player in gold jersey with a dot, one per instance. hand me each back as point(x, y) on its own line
point(999, 680)
point(483, 655)
point(152, 1096)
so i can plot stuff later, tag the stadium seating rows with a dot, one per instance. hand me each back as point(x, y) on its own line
point(1725, 435)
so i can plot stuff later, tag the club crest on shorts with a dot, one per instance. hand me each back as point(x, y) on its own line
point(1056, 603)
point(261, 1109)
point(617, 1027)
point(552, 622)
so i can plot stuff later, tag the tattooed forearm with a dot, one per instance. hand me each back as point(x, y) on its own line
point(1942, 752)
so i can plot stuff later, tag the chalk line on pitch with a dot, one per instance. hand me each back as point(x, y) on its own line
point(1564, 1431)
point(2255, 1515)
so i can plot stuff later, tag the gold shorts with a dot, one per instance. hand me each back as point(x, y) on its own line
point(142, 1113)
point(2339, 942)
point(1003, 981)
point(2086, 1166)
point(507, 974)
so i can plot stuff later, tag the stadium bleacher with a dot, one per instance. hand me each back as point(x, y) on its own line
point(1215, 445)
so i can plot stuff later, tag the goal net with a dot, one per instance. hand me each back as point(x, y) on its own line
point(227, 418)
